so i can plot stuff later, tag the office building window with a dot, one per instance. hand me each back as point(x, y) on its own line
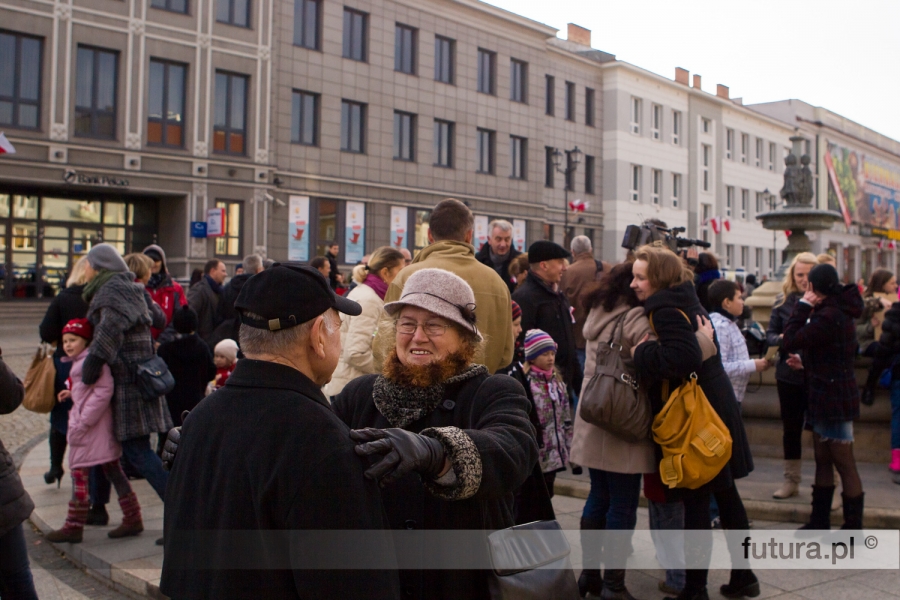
point(95, 92)
point(307, 23)
point(759, 152)
point(635, 183)
point(444, 50)
point(179, 6)
point(635, 115)
point(656, 122)
point(570, 101)
point(676, 189)
point(772, 265)
point(230, 126)
point(165, 118)
point(404, 136)
point(729, 200)
point(745, 147)
point(773, 151)
point(20, 80)
point(305, 118)
point(485, 150)
point(355, 33)
point(759, 266)
point(589, 107)
point(353, 126)
point(729, 255)
point(549, 94)
point(706, 150)
point(549, 169)
point(233, 12)
point(705, 216)
point(657, 186)
point(745, 204)
point(230, 243)
point(518, 157)
point(729, 144)
point(760, 203)
point(443, 143)
point(676, 127)
point(588, 174)
point(487, 65)
point(705, 125)
point(405, 42)
point(745, 257)
point(518, 80)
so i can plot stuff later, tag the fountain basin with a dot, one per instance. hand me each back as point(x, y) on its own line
point(799, 218)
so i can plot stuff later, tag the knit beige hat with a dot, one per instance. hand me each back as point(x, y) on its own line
point(441, 292)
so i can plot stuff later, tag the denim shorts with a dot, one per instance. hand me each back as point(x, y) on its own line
point(833, 431)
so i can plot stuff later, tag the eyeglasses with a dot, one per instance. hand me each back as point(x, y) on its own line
point(431, 329)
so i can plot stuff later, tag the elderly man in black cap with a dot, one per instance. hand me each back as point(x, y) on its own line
point(545, 307)
point(265, 455)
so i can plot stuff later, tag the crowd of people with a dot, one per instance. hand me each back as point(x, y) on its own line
point(439, 393)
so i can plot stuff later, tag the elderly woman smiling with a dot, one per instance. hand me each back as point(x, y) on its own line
point(450, 443)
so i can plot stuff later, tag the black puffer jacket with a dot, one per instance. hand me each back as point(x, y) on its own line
point(780, 315)
point(15, 503)
point(889, 343)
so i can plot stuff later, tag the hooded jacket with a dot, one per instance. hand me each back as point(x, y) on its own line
point(827, 333)
point(484, 257)
point(164, 293)
point(90, 435)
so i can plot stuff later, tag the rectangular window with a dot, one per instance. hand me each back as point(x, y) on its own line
point(729, 255)
point(570, 101)
point(760, 203)
point(729, 200)
point(706, 125)
point(773, 151)
point(233, 12)
point(657, 186)
point(745, 204)
point(165, 117)
point(676, 189)
point(230, 125)
point(518, 80)
point(353, 126)
point(20, 80)
point(485, 150)
point(487, 65)
point(705, 216)
point(729, 144)
point(518, 157)
point(771, 262)
point(656, 122)
point(549, 167)
point(404, 136)
point(635, 183)
point(745, 147)
point(230, 243)
point(706, 150)
point(179, 6)
point(405, 42)
point(444, 51)
point(95, 92)
point(305, 118)
point(355, 32)
point(635, 115)
point(759, 152)
point(745, 257)
point(307, 23)
point(676, 127)
point(443, 143)
point(759, 260)
point(588, 174)
point(550, 95)
point(589, 107)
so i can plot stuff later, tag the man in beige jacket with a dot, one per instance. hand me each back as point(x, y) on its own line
point(450, 248)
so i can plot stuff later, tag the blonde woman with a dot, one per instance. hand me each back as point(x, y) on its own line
point(792, 393)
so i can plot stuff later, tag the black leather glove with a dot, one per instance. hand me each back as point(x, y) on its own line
point(403, 452)
point(91, 369)
point(171, 448)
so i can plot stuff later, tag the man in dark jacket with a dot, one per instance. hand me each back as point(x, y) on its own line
point(204, 297)
point(282, 462)
point(331, 255)
point(499, 252)
point(545, 307)
point(228, 317)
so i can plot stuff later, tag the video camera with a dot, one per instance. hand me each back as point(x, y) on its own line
point(652, 230)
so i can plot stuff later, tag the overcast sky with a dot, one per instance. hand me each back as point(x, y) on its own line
point(841, 55)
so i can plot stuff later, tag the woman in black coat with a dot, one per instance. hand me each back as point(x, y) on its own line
point(664, 283)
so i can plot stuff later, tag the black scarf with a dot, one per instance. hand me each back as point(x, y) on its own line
point(405, 404)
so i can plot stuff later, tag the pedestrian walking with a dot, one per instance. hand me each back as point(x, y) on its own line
point(228, 318)
point(164, 290)
point(204, 297)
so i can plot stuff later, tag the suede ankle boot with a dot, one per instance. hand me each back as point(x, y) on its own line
point(131, 517)
point(791, 485)
point(853, 512)
point(73, 528)
point(742, 583)
point(614, 585)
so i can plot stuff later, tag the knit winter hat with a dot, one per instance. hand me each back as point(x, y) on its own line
point(185, 320)
point(227, 348)
point(105, 256)
point(81, 328)
point(441, 292)
point(516, 310)
point(537, 342)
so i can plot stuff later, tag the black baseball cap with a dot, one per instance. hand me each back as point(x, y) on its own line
point(287, 295)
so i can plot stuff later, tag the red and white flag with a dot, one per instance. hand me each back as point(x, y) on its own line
point(727, 224)
point(6, 146)
point(880, 243)
point(578, 205)
point(891, 245)
point(716, 224)
point(787, 233)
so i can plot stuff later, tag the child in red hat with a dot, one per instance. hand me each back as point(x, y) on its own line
point(91, 440)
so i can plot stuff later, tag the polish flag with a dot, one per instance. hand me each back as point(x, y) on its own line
point(727, 224)
point(6, 146)
point(880, 244)
point(578, 205)
point(787, 233)
point(716, 224)
point(891, 245)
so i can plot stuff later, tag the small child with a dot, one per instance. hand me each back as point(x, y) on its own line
point(91, 440)
point(551, 401)
point(225, 359)
point(190, 362)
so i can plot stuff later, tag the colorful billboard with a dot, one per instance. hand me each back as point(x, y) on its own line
point(866, 189)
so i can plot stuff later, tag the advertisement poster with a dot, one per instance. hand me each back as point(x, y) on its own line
point(865, 189)
point(480, 237)
point(398, 226)
point(519, 234)
point(215, 222)
point(356, 232)
point(298, 223)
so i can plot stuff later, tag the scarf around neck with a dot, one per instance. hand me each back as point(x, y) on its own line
point(376, 283)
point(102, 276)
point(217, 288)
point(405, 404)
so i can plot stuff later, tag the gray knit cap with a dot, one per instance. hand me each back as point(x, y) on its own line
point(105, 256)
point(441, 292)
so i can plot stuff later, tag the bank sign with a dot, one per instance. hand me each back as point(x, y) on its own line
point(864, 189)
point(73, 177)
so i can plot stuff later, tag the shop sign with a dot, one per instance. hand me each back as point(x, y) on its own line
point(398, 226)
point(519, 234)
point(73, 177)
point(215, 222)
point(298, 223)
point(198, 229)
point(355, 243)
point(481, 231)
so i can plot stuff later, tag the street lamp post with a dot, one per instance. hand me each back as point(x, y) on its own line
point(573, 157)
point(770, 197)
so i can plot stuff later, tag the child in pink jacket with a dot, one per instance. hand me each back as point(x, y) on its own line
point(91, 441)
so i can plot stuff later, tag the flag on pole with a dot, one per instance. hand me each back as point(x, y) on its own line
point(716, 224)
point(6, 146)
point(727, 224)
point(891, 245)
point(578, 205)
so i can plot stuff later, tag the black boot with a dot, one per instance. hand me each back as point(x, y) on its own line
point(742, 583)
point(853, 512)
point(97, 515)
point(57, 451)
point(689, 594)
point(591, 580)
point(614, 585)
point(821, 507)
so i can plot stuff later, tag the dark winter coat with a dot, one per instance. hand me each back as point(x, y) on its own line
point(332, 270)
point(229, 320)
point(484, 417)
point(484, 257)
point(191, 363)
point(167, 293)
point(269, 454)
point(542, 308)
point(205, 302)
point(67, 305)
point(674, 357)
point(828, 335)
point(889, 342)
point(15, 503)
point(780, 315)
point(121, 321)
